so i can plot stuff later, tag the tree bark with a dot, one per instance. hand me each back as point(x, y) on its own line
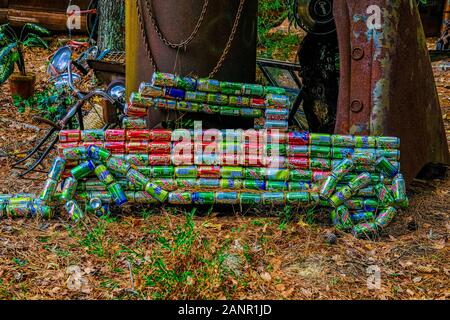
point(111, 28)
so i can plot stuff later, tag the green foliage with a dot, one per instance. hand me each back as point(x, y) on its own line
point(11, 47)
point(49, 103)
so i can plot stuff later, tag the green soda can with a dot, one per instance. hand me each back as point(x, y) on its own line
point(97, 153)
point(341, 218)
point(251, 113)
point(300, 186)
point(75, 154)
point(371, 153)
point(208, 85)
point(180, 198)
point(139, 159)
point(384, 195)
point(399, 189)
point(343, 141)
point(317, 139)
point(90, 185)
point(57, 169)
point(277, 186)
point(44, 212)
point(231, 88)
point(363, 216)
point(365, 142)
point(203, 197)
point(301, 175)
point(365, 230)
point(360, 182)
point(19, 210)
point(143, 197)
point(156, 191)
point(83, 170)
point(318, 151)
point(230, 111)
point(48, 190)
point(146, 171)
point(274, 174)
point(280, 149)
point(232, 172)
point(239, 101)
point(210, 183)
point(166, 183)
point(341, 153)
point(341, 196)
point(320, 164)
point(328, 187)
point(186, 183)
point(391, 154)
point(362, 204)
point(69, 189)
point(274, 90)
point(255, 184)
point(227, 197)
point(104, 175)
point(274, 198)
point(253, 90)
point(298, 198)
point(385, 217)
point(163, 172)
point(367, 192)
point(232, 184)
point(315, 198)
point(117, 194)
point(135, 177)
point(120, 166)
point(217, 99)
point(343, 168)
point(186, 172)
point(250, 198)
point(196, 96)
point(130, 196)
point(186, 83)
point(390, 143)
point(74, 211)
point(255, 173)
point(348, 177)
point(384, 166)
point(92, 135)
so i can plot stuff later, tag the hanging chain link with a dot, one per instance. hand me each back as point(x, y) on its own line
point(230, 41)
point(148, 48)
point(184, 43)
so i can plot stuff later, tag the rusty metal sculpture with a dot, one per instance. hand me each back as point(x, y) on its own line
point(386, 82)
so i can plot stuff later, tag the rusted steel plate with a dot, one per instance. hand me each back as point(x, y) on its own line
point(387, 85)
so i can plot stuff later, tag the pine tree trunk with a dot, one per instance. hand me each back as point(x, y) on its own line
point(111, 28)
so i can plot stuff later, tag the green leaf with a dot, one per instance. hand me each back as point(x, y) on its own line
point(3, 27)
point(33, 40)
point(6, 69)
point(36, 29)
point(4, 40)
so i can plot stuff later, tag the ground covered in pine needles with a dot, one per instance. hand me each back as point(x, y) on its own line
point(205, 253)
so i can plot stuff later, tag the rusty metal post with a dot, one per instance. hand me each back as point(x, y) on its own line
point(387, 85)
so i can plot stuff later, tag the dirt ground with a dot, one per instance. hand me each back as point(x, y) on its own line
point(167, 253)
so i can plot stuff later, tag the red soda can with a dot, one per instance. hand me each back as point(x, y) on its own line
point(69, 136)
point(251, 160)
point(182, 159)
point(258, 103)
point(299, 138)
point(94, 143)
point(132, 110)
point(115, 147)
point(160, 147)
point(160, 135)
point(230, 159)
point(299, 163)
point(319, 176)
point(68, 145)
point(138, 135)
point(115, 135)
point(208, 172)
point(137, 147)
point(159, 160)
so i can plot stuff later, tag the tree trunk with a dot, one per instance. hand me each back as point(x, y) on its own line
point(111, 28)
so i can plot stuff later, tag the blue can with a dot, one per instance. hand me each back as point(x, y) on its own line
point(227, 198)
point(175, 93)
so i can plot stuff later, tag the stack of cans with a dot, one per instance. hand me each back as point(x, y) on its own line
point(356, 177)
point(269, 106)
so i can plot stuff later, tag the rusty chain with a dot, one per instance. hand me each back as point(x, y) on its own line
point(224, 53)
point(148, 48)
point(184, 43)
point(230, 41)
